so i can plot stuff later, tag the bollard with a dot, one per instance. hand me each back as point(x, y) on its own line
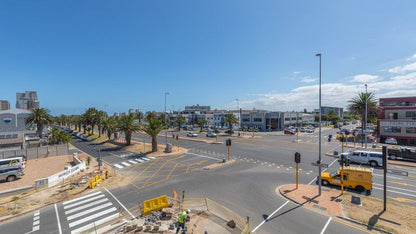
point(183, 195)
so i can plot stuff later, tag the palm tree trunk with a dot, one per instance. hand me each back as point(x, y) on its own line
point(39, 130)
point(128, 137)
point(231, 127)
point(154, 144)
point(99, 131)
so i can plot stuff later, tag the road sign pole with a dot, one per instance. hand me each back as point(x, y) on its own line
point(297, 176)
point(178, 143)
point(342, 148)
point(228, 153)
point(342, 178)
point(384, 179)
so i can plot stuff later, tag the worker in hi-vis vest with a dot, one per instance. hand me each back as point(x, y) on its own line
point(181, 221)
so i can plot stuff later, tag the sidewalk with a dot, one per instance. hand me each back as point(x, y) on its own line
point(307, 195)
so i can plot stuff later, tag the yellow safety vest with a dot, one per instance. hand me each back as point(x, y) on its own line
point(182, 217)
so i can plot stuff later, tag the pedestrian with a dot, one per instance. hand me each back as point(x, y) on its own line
point(181, 221)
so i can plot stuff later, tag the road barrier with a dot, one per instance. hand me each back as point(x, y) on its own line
point(157, 203)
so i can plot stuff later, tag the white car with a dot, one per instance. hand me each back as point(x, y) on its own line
point(391, 140)
point(191, 134)
point(211, 134)
point(365, 157)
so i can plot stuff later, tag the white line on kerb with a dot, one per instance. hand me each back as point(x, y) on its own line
point(119, 202)
point(204, 156)
point(274, 212)
point(326, 225)
point(57, 218)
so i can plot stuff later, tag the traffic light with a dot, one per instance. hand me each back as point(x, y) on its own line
point(344, 161)
point(297, 157)
point(228, 142)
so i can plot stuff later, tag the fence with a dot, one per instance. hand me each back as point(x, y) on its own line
point(38, 152)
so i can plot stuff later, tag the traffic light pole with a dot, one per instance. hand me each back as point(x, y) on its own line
point(342, 179)
point(297, 176)
point(384, 179)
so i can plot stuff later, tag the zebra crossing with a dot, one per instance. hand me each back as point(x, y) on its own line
point(132, 161)
point(83, 213)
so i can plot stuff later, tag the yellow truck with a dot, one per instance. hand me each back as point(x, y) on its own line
point(354, 177)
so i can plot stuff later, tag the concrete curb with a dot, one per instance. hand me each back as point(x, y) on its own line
point(219, 165)
point(343, 218)
point(16, 190)
point(24, 213)
point(362, 224)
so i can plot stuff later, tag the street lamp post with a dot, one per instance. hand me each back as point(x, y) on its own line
point(320, 131)
point(166, 126)
point(239, 118)
point(365, 123)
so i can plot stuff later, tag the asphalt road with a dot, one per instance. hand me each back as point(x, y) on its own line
point(246, 186)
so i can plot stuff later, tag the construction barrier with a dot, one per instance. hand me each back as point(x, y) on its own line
point(157, 203)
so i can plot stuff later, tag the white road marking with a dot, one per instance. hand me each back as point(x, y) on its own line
point(84, 201)
point(92, 217)
point(86, 206)
point(119, 202)
point(80, 198)
point(388, 190)
point(91, 225)
point(408, 190)
point(152, 157)
point(125, 164)
point(139, 160)
point(36, 228)
point(326, 225)
point(118, 166)
point(268, 217)
point(35, 218)
point(57, 218)
point(35, 222)
point(204, 156)
point(133, 162)
point(77, 215)
point(146, 159)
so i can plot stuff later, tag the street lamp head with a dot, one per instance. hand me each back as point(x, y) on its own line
point(319, 55)
point(167, 93)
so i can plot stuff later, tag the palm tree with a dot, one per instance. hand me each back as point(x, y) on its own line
point(109, 126)
point(40, 117)
point(230, 119)
point(57, 137)
point(357, 106)
point(152, 128)
point(201, 123)
point(139, 116)
point(128, 126)
point(91, 118)
point(99, 116)
point(180, 120)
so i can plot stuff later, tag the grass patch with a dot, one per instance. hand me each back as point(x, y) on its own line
point(398, 218)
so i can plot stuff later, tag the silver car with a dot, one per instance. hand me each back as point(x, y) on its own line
point(10, 173)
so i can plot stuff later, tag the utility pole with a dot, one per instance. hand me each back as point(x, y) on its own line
point(365, 124)
point(320, 130)
point(166, 126)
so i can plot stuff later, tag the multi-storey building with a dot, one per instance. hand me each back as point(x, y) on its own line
point(326, 109)
point(397, 119)
point(27, 100)
point(4, 105)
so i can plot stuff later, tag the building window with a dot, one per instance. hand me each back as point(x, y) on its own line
point(287, 119)
point(393, 129)
point(245, 119)
point(411, 114)
point(392, 116)
point(411, 130)
point(389, 104)
point(257, 120)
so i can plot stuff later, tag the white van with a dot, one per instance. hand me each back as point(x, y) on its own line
point(13, 161)
point(365, 157)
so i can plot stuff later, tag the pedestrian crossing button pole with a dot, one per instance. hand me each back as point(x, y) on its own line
point(177, 141)
point(228, 144)
point(297, 161)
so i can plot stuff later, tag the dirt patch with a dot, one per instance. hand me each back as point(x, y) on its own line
point(37, 169)
point(398, 218)
point(307, 195)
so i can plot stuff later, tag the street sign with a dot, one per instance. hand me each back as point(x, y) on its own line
point(320, 164)
point(297, 157)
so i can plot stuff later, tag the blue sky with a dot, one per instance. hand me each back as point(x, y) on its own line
point(127, 54)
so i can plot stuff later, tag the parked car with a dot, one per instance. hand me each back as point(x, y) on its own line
point(337, 125)
point(354, 121)
point(391, 140)
point(402, 153)
point(211, 134)
point(365, 157)
point(345, 131)
point(353, 177)
point(11, 173)
point(288, 131)
point(228, 131)
point(310, 130)
point(302, 129)
point(191, 134)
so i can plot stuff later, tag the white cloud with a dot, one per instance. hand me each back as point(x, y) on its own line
point(364, 78)
point(403, 69)
point(400, 82)
point(308, 79)
point(296, 72)
point(413, 57)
